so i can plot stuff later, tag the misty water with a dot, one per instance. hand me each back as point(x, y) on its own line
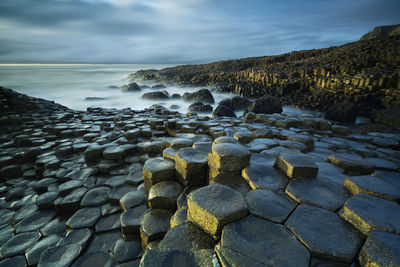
point(69, 85)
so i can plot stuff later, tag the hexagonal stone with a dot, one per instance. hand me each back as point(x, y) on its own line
point(108, 223)
point(114, 153)
point(46, 200)
point(180, 216)
point(154, 225)
point(243, 136)
point(5, 234)
point(383, 164)
point(366, 213)
point(156, 170)
point(214, 206)
point(318, 192)
point(178, 143)
point(35, 221)
point(55, 227)
point(84, 218)
point(372, 186)
point(59, 255)
point(132, 199)
point(351, 163)
point(13, 261)
point(131, 219)
point(71, 202)
point(78, 237)
point(380, 249)
point(25, 211)
point(228, 157)
point(191, 166)
point(269, 205)
point(115, 181)
point(297, 165)
point(160, 258)
point(324, 233)
point(18, 244)
point(126, 250)
point(169, 153)
point(33, 254)
point(118, 192)
point(233, 180)
point(68, 187)
point(186, 237)
point(260, 174)
point(255, 242)
point(96, 197)
point(163, 195)
point(41, 186)
point(99, 258)
point(104, 242)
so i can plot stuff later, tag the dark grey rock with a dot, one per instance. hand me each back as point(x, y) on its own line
point(84, 218)
point(373, 186)
point(13, 261)
point(154, 225)
point(18, 244)
point(59, 255)
point(131, 219)
point(96, 197)
point(126, 250)
point(35, 221)
point(324, 233)
point(33, 254)
point(100, 258)
point(54, 227)
point(266, 104)
point(132, 199)
point(79, 237)
point(108, 223)
point(297, 165)
point(269, 205)
point(131, 87)
point(104, 242)
point(244, 243)
point(118, 192)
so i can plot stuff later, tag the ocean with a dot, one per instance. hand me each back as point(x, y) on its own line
point(69, 85)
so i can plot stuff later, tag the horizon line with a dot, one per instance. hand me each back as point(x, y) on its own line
point(80, 64)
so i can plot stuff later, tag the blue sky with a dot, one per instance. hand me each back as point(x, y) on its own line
point(179, 31)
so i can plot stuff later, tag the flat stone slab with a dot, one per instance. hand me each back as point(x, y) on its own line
point(118, 192)
point(233, 180)
point(13, 261)
point(228, 157)
point(191, 165)
point(131, 219)
point(163, 195)
point(372, 186)
point(318, 192)
point(160, 258)
point(96, 197)
point(252, 241)
point(108, 223)
point(269, 205)
point(214, 206)
point(59, 255)
point(78, 237)
point(132, 199)
point(67, 187)
point(260, 174)
point(99, 258)
point(324, 233)
point(35, 221)
point(366, 213)
point(157, 170)
point(84, 218)
point(351, 163)
point(186, 237)
point(297, 165)
point(18, 244)
point(154, 225)
point(380, 249)
point(103, 242)
point(33, 254)
point(126, 250)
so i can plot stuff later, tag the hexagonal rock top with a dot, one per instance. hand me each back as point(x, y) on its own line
point(154, 225)
point(228, 157)
point(372, 186)
point(297, 165)
point(156, 170)
point(163, 195)
point(214, 206)
point(324, 233)
point(318, 192)
point(252, 241)
point(380, 249)
point(367, 213)
point(191, 166)
point(352, 164)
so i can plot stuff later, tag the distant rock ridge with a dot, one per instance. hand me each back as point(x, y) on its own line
point(364, 73)
point(382, 31)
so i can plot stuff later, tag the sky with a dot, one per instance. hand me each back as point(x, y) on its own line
point(180, 31)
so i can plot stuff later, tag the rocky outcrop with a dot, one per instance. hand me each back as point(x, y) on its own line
point(382, 31)
point(203, 95)
point(156, 95)
point(132, 87)
point(342, 112)
point(266, 105)
point(200, 107)
point(364, 73)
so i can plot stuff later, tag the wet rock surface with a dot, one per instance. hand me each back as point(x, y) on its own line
point(107, 187)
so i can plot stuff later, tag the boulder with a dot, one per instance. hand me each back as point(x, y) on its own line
point(155, 95)
point(203, 95)
point(342, 112)
point(200, 107)
point(223, 110)
point(266, 104)
point(132, 87)
point(158, 86)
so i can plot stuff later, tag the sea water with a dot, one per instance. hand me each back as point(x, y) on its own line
point(71, 84)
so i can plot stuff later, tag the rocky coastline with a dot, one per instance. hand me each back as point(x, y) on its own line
point(363, 74)
point(108, 187)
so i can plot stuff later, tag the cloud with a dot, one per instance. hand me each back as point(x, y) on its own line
point(179, 31)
